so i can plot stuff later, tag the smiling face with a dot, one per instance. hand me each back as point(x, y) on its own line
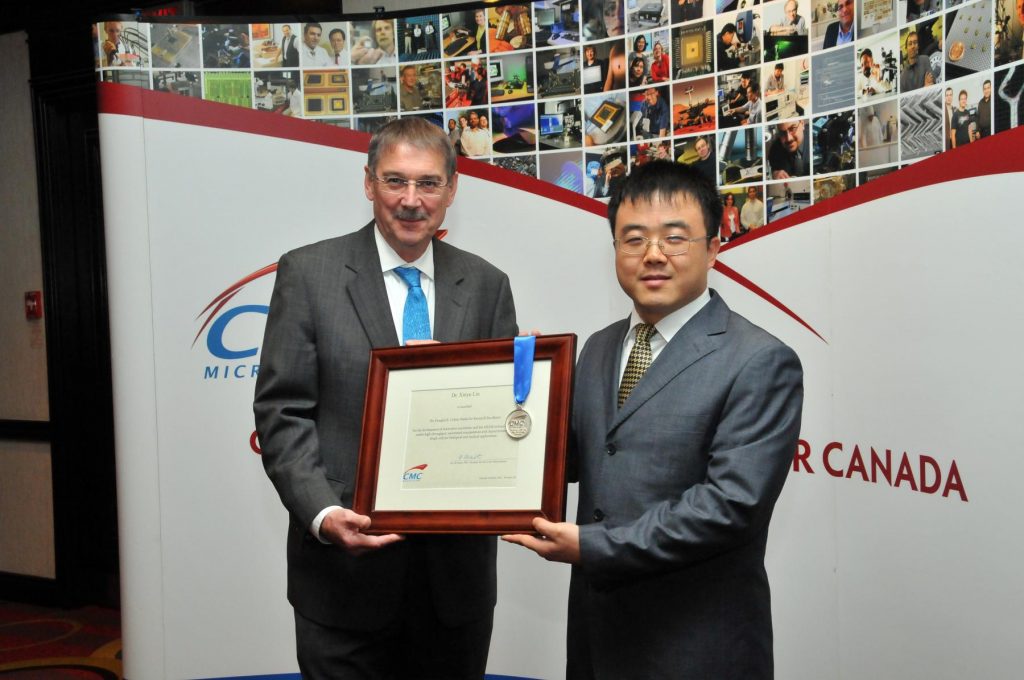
point(407, 221)
point(337, 41)
point(846, 13)
point(312, 36)
point(791, 11)
point(658, 284)
point(791, 135)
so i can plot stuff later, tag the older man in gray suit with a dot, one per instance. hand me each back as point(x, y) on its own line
point(374, 606)
point(685, 422)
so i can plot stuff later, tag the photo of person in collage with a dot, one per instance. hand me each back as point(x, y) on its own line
point(751, 93)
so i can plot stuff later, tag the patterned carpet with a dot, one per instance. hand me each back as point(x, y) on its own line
point(59, 644)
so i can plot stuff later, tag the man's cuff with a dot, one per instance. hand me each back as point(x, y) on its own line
point(314, 526)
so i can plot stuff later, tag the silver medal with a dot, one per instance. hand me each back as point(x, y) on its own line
point(518, 423)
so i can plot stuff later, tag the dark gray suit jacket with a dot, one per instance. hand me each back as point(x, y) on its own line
point(831, 35)
point(328, 309)
point(676, 491)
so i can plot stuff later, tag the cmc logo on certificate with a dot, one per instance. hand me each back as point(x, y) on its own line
point(415, 473)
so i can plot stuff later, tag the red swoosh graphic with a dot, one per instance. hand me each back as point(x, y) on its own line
point(728, 272)
point(218, 302)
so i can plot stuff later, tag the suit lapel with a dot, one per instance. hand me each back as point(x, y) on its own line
point(450, 296)
point(610, 360)
point(694, 341)
point(367, 291)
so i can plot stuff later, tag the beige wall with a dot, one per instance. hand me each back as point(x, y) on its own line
point(23, 394)
point(26, 509)
point(26, 492)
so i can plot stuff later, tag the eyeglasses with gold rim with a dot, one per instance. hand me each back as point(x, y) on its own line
point(673, 244)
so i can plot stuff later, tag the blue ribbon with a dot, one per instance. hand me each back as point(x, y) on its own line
point(522, 362)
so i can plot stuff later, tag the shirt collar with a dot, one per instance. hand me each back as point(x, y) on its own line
point(674, 322)
point(389, 259)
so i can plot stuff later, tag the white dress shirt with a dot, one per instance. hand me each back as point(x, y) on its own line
point(665, 329)
point(316, 57)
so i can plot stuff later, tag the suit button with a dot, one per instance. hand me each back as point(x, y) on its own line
point(610, 450)
point(598, 515)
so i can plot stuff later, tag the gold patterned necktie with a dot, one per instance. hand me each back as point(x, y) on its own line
point(638, 362)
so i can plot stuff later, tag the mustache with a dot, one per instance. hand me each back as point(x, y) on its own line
point(410, 214)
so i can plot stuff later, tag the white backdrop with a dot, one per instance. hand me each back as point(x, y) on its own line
point(912, 293)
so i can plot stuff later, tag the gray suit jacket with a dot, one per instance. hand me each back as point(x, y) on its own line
point(328, 310)
point(676, 491)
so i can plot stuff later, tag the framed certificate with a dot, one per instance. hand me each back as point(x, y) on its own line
point(445, 447)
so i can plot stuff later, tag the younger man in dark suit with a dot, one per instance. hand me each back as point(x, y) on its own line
point(685, 421)
point(374, 606)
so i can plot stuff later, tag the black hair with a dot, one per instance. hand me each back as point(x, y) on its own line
point(665, 180)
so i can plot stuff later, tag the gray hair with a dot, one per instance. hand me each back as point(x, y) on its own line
point(417, 133)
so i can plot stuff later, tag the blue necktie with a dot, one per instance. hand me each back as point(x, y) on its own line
point(415, 318)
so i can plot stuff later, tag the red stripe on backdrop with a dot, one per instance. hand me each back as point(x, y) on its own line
point(998, 154)
point(128, 100)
